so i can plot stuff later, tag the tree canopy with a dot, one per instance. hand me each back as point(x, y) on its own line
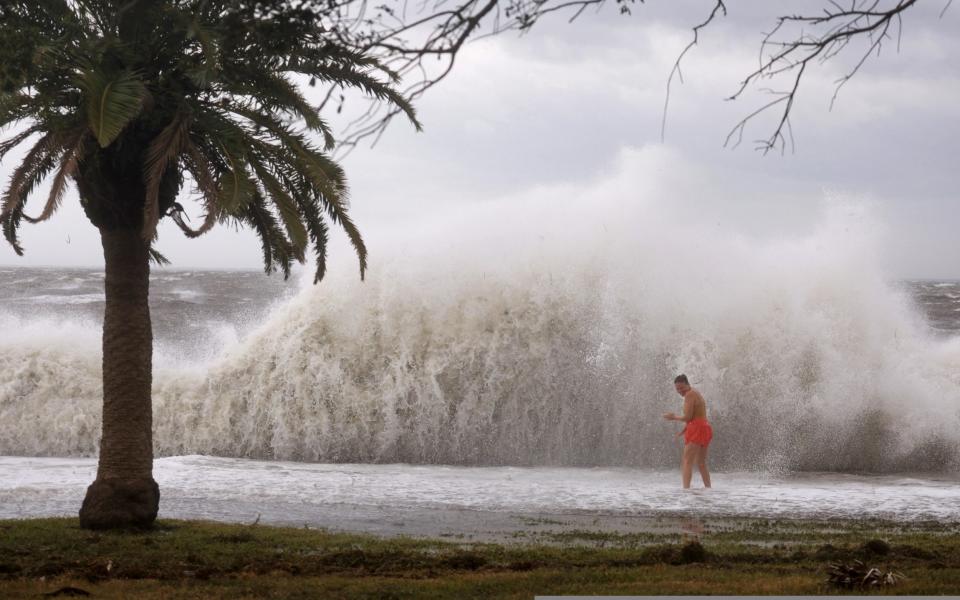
point(128, 98)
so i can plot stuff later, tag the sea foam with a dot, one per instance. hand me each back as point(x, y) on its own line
point(546, 330)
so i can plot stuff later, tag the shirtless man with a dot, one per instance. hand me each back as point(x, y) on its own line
point(697, 434)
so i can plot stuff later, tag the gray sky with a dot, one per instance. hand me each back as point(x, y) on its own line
point(572, 106)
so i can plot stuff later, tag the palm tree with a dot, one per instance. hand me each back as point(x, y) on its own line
point(136, 101)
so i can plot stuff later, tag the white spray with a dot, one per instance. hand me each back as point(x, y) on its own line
point(547, 330)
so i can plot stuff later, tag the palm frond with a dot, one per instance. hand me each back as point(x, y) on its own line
point(353, 234)
point(286, 207)
point(68, 167)
point(276, 127)
point(236, 188)
point(207, 39)
point(276, 91)
point(32, 163)
point(14, 107)
point(351, 78)
point(112, 102)
point(328, 183)
point(199, 167)
point(157, 258)
point(35, 172)
point(328, 178)
point(10, 224)
point(18, 139)
point(276, 249)
point(324, 174)
point(318, 235)
point(163, 152)
point(302, 193)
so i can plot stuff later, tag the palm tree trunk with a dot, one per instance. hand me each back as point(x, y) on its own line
point(124, 493)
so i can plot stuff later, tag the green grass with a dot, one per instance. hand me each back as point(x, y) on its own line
point(179, 559)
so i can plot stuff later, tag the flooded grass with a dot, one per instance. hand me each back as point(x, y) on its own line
point(180, 559)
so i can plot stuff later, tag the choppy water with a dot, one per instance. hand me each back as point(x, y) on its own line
point(940, 303)
point(196, 314)
point(376, 497)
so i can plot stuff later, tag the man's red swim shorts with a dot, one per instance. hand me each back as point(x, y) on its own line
point(698, 432)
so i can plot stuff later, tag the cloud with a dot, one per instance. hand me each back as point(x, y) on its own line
point(557, 107)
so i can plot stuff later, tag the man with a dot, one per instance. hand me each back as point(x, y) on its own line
point(697, 434)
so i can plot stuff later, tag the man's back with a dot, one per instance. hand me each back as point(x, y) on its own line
point(699, 404)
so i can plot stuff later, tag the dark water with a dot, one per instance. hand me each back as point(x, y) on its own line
point(940, 302)
point(194, 312)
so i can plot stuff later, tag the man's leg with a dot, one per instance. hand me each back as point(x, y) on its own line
point(702, 465)
point(686, 465)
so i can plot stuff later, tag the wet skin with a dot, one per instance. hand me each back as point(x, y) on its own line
point(694, 407)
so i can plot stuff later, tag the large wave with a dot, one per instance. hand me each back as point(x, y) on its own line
point(547, 330)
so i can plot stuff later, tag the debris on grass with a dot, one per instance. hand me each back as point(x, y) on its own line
point(857, 575)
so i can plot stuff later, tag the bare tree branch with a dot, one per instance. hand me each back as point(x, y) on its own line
point(719, 6)
point(946, 7)
point(422, 49)
point(794, 44)
point(420, 42)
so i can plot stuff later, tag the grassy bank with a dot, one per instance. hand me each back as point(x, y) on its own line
point(181, 559)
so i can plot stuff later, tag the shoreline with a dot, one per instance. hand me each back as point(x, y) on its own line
point(471, 526)
point(484, 503)
point(560, 528)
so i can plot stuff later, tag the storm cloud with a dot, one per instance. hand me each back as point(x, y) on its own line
point(560, 105)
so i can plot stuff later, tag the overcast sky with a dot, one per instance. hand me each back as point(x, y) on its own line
point(570, 106)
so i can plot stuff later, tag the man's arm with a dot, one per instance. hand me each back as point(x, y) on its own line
point(688, 404)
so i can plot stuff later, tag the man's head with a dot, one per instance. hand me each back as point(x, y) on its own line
point(681, 384)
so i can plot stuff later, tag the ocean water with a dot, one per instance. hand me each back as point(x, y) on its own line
point(939, 301)
point(196, 314)
point(475, 354)
point(250, 366)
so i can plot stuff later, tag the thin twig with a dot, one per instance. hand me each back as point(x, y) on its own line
point(676, 65)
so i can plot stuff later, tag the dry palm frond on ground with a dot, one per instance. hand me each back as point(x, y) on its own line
point(858, 575)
